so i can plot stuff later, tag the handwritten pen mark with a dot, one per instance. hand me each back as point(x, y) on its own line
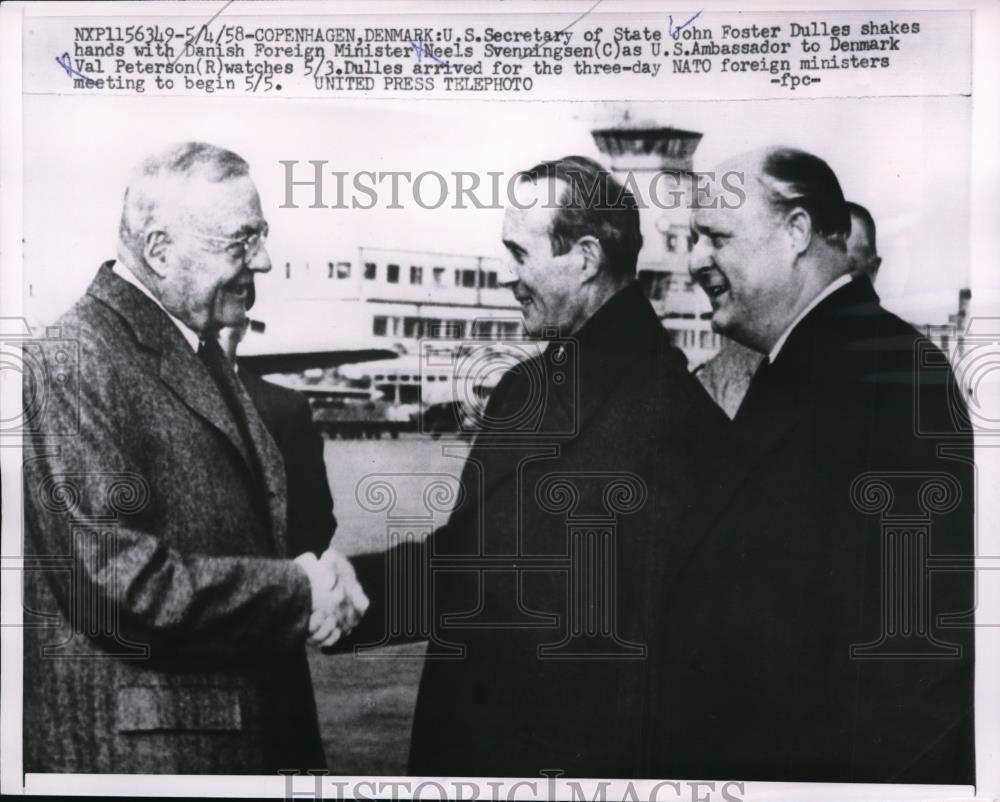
point(66, 63)
point(201, 29)
point(421, 51)
point(672, 31)
point(584, 14)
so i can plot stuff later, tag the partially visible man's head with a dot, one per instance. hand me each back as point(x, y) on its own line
point(862, 250)
point(762, 261)
point(573, 237)
point(192, 226)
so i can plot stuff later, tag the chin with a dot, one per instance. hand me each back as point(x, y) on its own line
point(533, 328)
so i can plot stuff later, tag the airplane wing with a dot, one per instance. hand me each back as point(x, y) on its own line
point(298, 361)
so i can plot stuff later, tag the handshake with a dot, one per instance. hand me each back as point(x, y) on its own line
point(338, 602)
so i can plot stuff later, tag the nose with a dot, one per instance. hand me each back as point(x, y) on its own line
point(700, 256)
point(259, 261)
point(507, 275)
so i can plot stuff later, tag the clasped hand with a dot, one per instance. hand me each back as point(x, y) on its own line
point(338, 601)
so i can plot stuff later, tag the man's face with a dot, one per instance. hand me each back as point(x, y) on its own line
point(860, 254)
point(208, 281)
point(547, 286)
point(744, 261)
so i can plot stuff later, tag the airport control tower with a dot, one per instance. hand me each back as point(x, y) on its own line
point(659, 160)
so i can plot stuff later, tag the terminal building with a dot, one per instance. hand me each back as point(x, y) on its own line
point(408, 301)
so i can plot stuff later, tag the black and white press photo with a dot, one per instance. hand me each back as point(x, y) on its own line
point(564, 400)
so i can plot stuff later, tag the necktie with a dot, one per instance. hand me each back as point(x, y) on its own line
point(211, 355)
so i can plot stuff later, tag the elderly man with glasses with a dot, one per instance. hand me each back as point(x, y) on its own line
point(179, 624)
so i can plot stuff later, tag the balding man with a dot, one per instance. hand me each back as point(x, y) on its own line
point(155, 510)
point(862, 249)
point(824, 649)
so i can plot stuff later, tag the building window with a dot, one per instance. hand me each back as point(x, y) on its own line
point(491, 280)
point(379, 325)
point(370, 271)
point(416, 275)
point(329, 269)
point(392, 274)
point(343, 269)
point(438, 276)
point(411, 327)
point(468, 278)
point(288, 269)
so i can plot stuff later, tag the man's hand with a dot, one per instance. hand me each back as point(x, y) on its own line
point(337, 599)
point(347, 580)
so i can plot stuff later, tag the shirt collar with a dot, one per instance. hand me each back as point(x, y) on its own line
point(831, 288)
point(191, 337)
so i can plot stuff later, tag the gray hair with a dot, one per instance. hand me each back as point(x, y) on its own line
point(182, 161)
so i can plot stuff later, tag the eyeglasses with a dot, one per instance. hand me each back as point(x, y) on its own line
point(241, 248)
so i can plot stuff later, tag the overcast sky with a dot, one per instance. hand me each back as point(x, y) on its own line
point(905, 159)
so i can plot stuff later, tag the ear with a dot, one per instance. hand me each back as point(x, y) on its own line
point(592, 255)
point(798, 224)
point(155, 251)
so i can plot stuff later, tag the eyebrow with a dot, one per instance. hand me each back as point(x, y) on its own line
point(513, 246)
point(710, 230)
point(248, 229)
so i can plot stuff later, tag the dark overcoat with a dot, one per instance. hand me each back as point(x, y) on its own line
point(539, 589)
point(822, 628)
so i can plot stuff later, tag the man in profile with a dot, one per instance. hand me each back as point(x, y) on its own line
point(862, 249)
point(824, 649)
point(541, 628)
point(155, 506)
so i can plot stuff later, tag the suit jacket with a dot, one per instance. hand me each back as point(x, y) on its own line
point(818, 650)
point(288, 417)
point(167, 629)
point(539, 589)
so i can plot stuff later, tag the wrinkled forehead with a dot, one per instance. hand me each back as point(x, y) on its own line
point(229, 207)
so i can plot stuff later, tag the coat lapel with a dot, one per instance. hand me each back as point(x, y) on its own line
point(778, 407)
point(272, 468)
point(183, 373)
point(576, 385)
point(754, 446)
point(187, 377)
